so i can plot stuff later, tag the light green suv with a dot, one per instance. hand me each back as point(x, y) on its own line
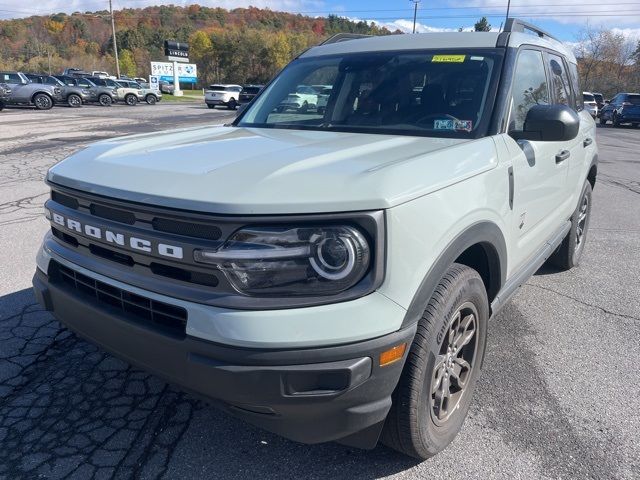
point(329, 275)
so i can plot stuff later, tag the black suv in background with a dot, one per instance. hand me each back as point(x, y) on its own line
point(249, 92)
point(623, 108)
point(75, 96)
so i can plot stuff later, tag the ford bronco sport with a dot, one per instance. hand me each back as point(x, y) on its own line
point(331, 276)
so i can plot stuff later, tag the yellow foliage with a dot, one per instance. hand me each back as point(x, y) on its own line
point(53, 27)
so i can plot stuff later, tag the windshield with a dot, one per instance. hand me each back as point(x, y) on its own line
point(588, 97)
point(429, 92)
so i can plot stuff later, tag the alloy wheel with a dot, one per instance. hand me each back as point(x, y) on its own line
point(581, 226)
point(454, 364)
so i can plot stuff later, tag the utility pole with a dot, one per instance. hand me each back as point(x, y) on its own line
point(115, 43)
point(415, 13)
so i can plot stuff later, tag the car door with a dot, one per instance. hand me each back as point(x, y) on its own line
point(539, 168)
point(19, 92)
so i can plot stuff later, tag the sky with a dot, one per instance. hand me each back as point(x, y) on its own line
point(564, 19)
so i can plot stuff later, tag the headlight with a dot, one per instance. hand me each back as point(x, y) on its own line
point(309, 260)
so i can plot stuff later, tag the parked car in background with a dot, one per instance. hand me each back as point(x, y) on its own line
point(623, 108)
point(103, 95)
point(151, 95)
point(72, 95)
point(303, 99)
point(109, 84)
point(590, 104)
point(76, 72)
point(248, 93)
point(5, 91)
point(100, 74)
point(166, 87)
point(600, 101)
point(130, 92)
point(323, 97)
point(23, 92)
point(140, 80)
point(227, 95)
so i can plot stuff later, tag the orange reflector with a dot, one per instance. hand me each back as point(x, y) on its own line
point(392, 355)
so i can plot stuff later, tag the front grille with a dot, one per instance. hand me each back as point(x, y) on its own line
point(114, 214)
point(197, 230)
point(160, 315)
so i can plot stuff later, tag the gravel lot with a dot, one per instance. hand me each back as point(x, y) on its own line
point(559, 396)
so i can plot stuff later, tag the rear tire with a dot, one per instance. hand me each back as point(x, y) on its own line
point(74, 101)
point(131, 100)
point(603, 121)
point(105, 100)
point(570, 251)
point(211, 106)
point(452, 333)
point(42, 101)
point(232, 105)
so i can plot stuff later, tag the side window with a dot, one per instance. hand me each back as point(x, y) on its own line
point(559, 81)
point(575, 83)
point(12, 78)
point(529, 87)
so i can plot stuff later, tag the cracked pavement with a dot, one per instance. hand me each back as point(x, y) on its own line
point(559, 395)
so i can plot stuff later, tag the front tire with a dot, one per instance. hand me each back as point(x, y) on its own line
point(435, 389)
point(616, 120)
point(603, 121)
point(42, 101)
point(571, 249)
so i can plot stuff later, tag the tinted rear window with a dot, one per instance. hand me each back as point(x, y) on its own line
point(635, 99)
point(588, 98)
point(251, 90)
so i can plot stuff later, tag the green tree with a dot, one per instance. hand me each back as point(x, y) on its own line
point(482, 25)
point(127, 63)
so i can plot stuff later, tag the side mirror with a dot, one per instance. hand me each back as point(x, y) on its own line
point(549, 123)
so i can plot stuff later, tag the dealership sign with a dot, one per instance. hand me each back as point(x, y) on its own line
point(187, 72)
point(176, 51)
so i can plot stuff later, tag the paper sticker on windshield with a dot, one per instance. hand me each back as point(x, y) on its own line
point(464, 125)
point(460, 125)
point(448, 58)
point(443, 124)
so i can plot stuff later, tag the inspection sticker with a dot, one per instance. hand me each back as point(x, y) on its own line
point(443, 125)
point(448, 58)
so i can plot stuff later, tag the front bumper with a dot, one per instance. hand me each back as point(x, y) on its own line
point(309, 395)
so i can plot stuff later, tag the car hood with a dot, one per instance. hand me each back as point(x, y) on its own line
point(233, 170)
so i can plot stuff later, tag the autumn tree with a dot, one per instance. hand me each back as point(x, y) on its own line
point(127, 63)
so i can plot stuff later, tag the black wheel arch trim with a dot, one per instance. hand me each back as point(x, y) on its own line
point(489, 236)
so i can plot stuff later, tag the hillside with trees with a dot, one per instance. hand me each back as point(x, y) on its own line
point(244, 45)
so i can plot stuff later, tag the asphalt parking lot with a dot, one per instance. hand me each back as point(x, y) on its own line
point(559, 395)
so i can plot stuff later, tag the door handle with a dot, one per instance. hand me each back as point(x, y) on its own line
point(562, 156)
point(587, 142)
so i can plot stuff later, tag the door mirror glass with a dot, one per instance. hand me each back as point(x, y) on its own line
point(549, 123)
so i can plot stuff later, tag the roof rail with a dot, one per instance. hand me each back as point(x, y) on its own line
point(343, 37)
point(517, 25)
